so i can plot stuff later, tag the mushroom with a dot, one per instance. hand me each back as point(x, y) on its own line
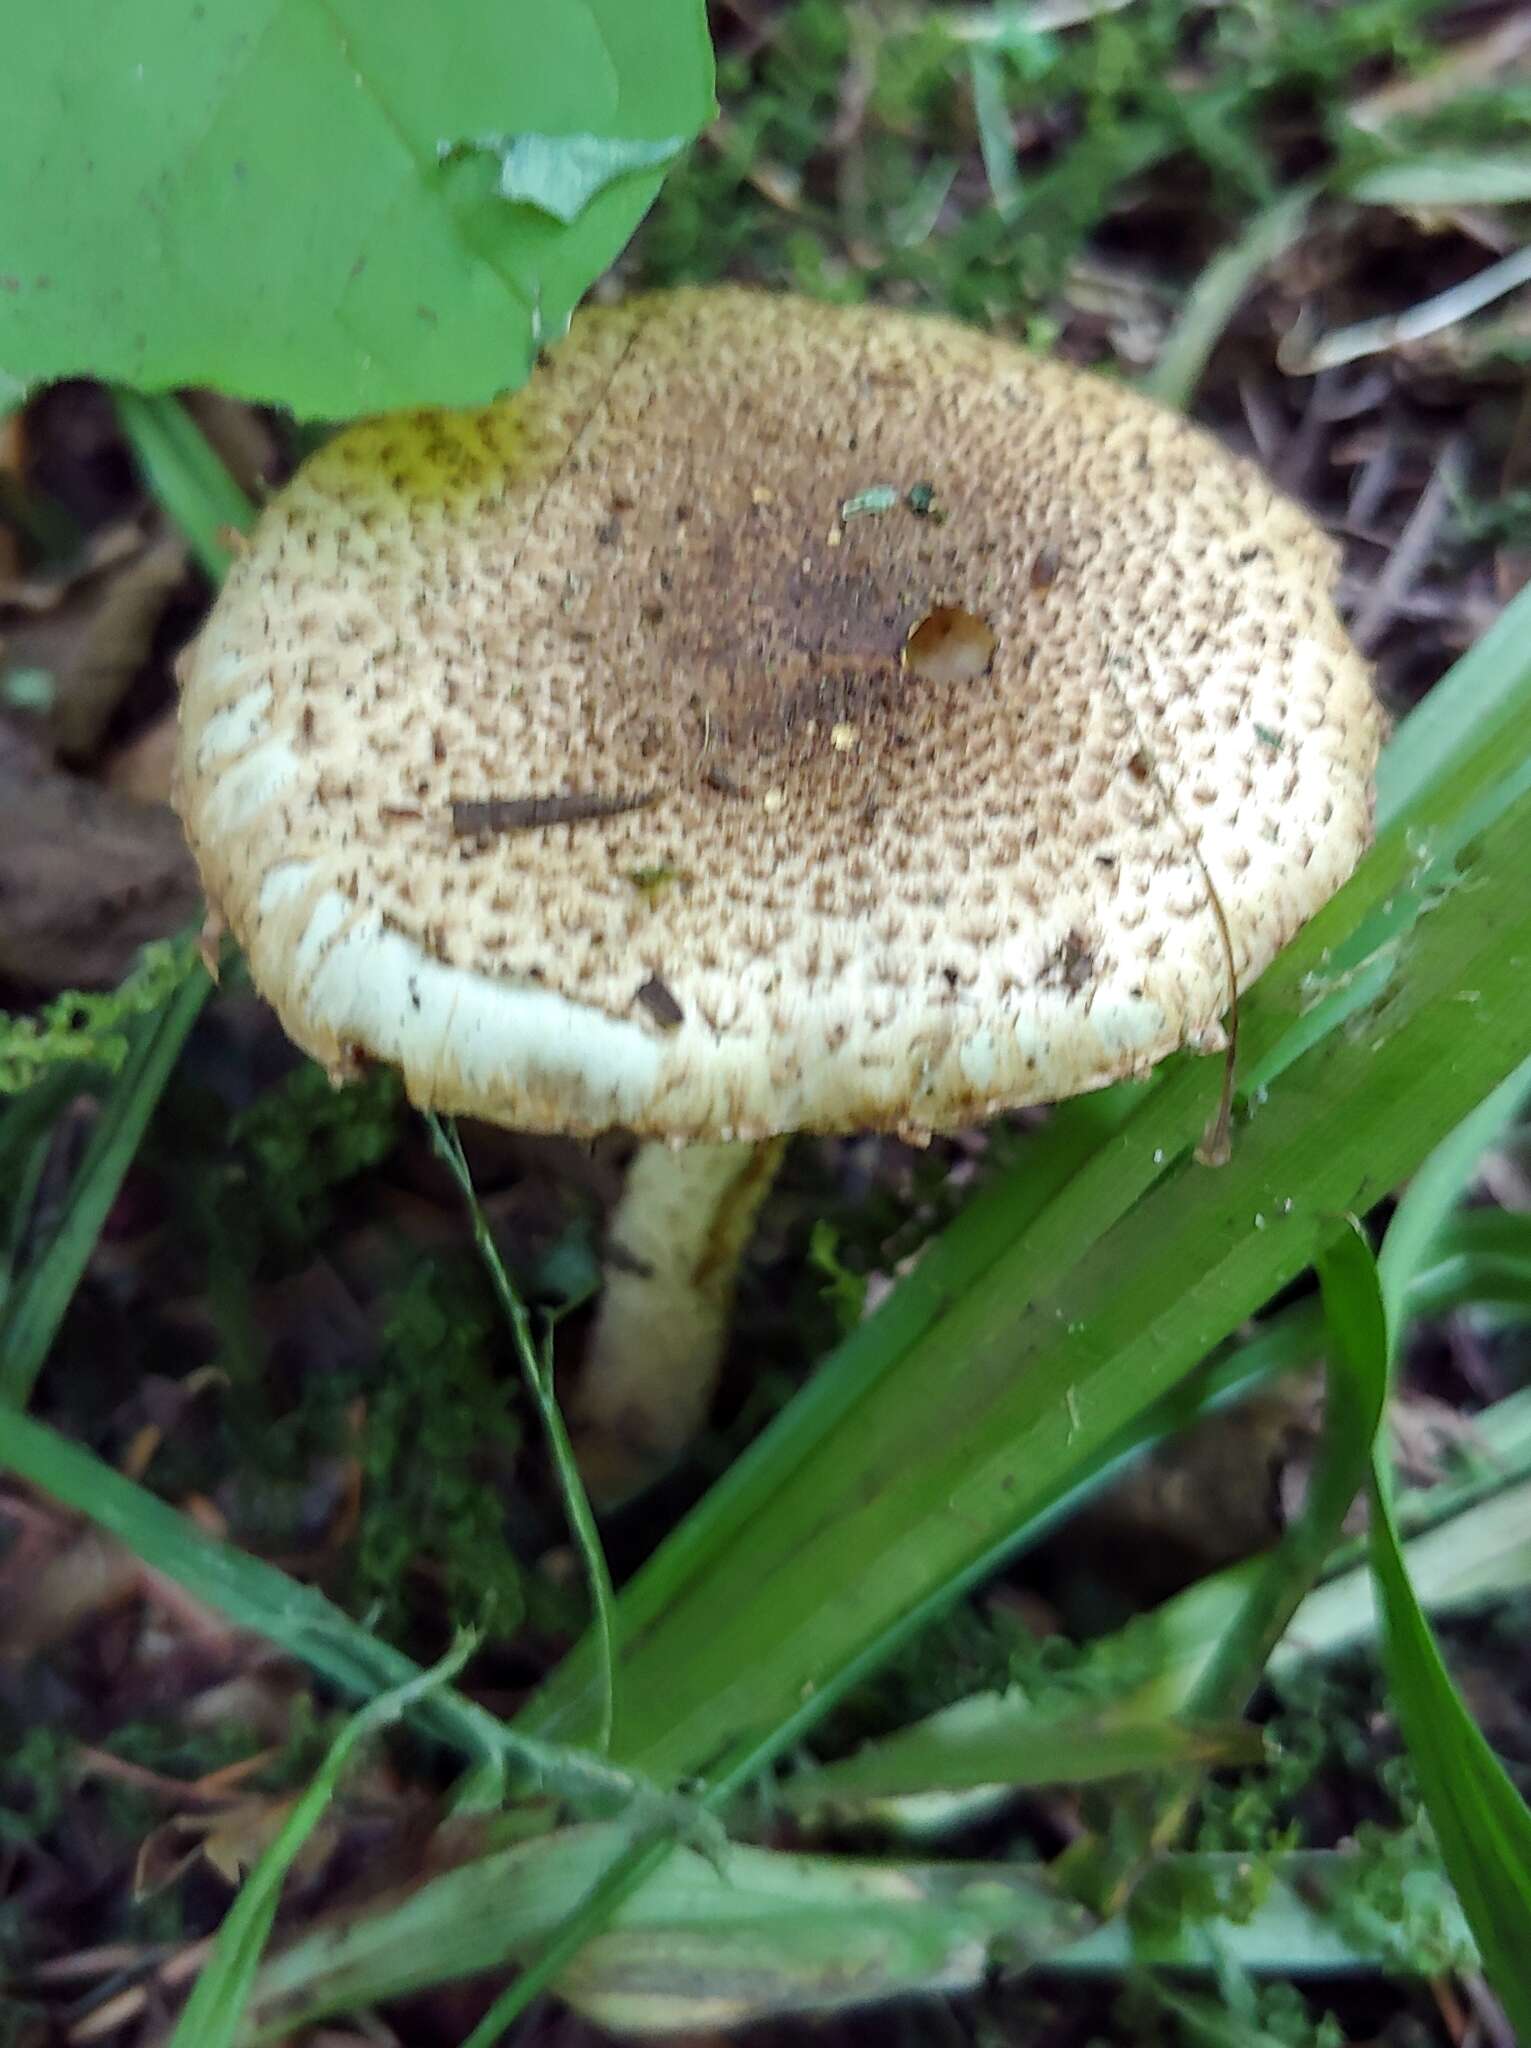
point(776, 717)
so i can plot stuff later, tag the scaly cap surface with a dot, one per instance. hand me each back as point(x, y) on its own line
point(780, 877)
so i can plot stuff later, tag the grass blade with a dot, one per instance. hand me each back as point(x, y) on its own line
point(1480, 1820)
point(185, 475)
point(1436, 1189)
point(1002, 1739)
point(38, 1301)
point(1352, 1416)
point(1311, 1913)
point(537, 1369)
point(995, 1410)
point(730, 1936)
point(1216, 294)
point(298, 1618)
point(1490, 178)
point(1489, 688)
point(213, 2014)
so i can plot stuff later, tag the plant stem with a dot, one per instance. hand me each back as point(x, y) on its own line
point(537, 1367)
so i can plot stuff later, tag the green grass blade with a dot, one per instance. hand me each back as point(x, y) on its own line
point(744, 1931)
point(1478, 1553)
point(38, 1301)
point(537, 1370)
point(297, 1618)
point(995, 1409)
point(214, 2013)
point(1446, 178)
point(1486, 690)
point(1436, 1189)
point(1215, 296)
point(1354, 1405)
point(1002, 1739)
point(26, 1137)
point(1479, 1255)
point(1480, 1820)
point(996, 138)
point(186, 476)
point(1309, 1913)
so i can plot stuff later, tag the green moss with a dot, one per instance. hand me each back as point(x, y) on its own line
point(87, 1029)
point(442, 1433)
point(303, 1140)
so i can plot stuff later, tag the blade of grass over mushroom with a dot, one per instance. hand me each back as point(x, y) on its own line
point(1099, 1155)
point(1443, 770)
point(999, 1404)
point(39, 1299)
point(186, 476)
point(297, 1618)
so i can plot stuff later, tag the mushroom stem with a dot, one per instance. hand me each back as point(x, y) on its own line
point(675, 1245)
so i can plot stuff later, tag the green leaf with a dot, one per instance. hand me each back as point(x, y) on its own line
point(536, 1362)
point(1436, 1189)
point(1481, 1822)
point(284, 198)
point(300, 1620)
point(1316, 1911)
point(1352, 1416)
point(996, 133)
point(1490, 687)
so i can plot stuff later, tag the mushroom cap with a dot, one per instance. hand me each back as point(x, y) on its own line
point(774, 717)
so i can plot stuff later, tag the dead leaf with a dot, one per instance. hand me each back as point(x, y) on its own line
point(46, 1592)
point(88, 877)
point(144, 767)
point(94, 640)
point(242, 436)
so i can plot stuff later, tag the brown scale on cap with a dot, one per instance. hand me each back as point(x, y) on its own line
point(898, 899)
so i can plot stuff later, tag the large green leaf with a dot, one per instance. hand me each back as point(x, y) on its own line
point(344, 205)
